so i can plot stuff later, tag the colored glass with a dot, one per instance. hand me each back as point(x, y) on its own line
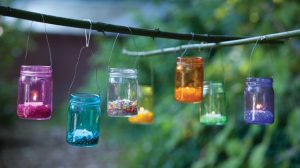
point(145, 113)
point(189, 79)
point(35, 93)
point(259, 101)
point(83, 127)
point(212, 108)
point(122, 98)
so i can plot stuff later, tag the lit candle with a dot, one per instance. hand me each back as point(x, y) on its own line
point(142, 110)
point(259, 115)
point(259, 106)
point(213, 118)
point(144, 117)
point(34, 102)
point(213, 115)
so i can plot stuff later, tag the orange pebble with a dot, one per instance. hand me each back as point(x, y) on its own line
point(188, 94)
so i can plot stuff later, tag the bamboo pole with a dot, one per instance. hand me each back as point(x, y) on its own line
point(104, 27)
point(276, 36)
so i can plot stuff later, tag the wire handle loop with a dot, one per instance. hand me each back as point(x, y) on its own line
point(134, 43)
point(47, 40)
point(87, 42)
point(27, 42)
point(252, 51)
point(75, 71)
point(88, 36)
point(183, 53)
point(111, 50)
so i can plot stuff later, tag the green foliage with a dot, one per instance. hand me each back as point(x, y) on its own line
point(176, 138)
point(10, 47)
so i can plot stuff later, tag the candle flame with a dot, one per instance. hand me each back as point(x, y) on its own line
point(179, 68)
point(34, 96)
point(259, 106)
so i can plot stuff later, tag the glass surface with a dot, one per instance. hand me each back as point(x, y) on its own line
point(212, 108)
point(145, 112)
point(35, 93)
point(259, 101)
point(83, 127)
point(189, 80)
point(122, 93)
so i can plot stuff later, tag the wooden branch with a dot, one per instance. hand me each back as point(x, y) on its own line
point(104, 27)
point(276, 36)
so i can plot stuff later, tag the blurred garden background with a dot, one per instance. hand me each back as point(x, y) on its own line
point(176, 138)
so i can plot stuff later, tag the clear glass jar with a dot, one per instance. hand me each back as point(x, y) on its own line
point(145, 113)
point(259, 101)
point(122, 97)
point(83, 127)
point(212, 108)
point(35, 93)
point(189, 79)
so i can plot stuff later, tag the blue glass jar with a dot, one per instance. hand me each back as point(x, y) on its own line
point(259, 101)
point(83, 127)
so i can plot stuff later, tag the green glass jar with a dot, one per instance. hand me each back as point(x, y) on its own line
point(212, 108)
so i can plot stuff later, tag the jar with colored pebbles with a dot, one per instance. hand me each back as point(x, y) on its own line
point(35, 93)
point(259, 101)
point(189, 79)
point(122, 96)
point(83, 127)
point(212, 108)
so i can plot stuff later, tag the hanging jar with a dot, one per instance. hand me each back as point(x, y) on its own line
point(122, 97)
point(83, 119)
point(145, 112)
point(189, 79)
point(259, 101)
point(35, 92)
point(212, 108)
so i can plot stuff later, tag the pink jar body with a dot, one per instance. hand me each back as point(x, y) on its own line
point(35, 93)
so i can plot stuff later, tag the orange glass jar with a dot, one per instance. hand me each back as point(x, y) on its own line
point(189, 79)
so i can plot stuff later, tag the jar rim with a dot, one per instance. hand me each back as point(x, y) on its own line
point(214, 83)
point(85, 98)
point(191, 59)
point(36, 70)
point(123, 72)
point(259, 80)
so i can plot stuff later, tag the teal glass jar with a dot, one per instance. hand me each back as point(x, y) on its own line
point(83, 127)
point(212, 107)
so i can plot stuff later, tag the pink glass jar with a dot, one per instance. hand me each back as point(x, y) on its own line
point(35, 93)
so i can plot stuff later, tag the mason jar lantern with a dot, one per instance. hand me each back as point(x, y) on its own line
point(189, 79)
point(212, 108)
point(145, 112)
point(83, 127)
point(122, 97)
point(35, 92)
point(259, 101)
